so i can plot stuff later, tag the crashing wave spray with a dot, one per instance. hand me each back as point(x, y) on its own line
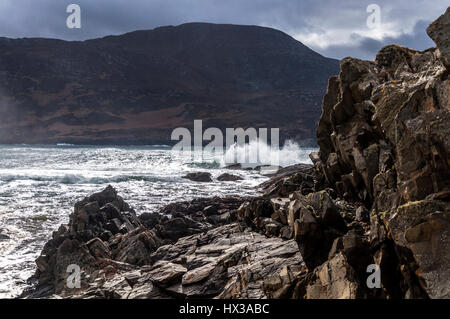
point(289, 154)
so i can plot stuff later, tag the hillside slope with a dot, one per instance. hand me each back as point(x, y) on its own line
point(135, 88)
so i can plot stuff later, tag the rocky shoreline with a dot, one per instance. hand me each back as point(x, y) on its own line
point(378, 193)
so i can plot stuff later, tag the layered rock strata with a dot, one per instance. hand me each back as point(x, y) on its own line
point(377, 199)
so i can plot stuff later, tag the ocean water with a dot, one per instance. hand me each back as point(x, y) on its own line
point(39, 186)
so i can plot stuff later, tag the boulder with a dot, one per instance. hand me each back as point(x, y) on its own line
point(225, 177)
point(300, 177)
point(335, 279)
point(164, 273)
point(424, 228)
point(202, 177)
point(4, 237)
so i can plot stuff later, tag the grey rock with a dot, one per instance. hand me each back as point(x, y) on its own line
point(225, 177)
point(202, 177)
point(439, 31)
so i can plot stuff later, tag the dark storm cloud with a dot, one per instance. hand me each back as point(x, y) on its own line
point(333, 28)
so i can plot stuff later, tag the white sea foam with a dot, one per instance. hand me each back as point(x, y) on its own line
point(258, 153)
point(39, 185)
point(64, 144)
point(80, 179)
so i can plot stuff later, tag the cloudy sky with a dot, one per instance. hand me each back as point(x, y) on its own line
point(334, 28)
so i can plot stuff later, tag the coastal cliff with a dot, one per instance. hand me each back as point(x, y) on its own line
point(378, 194)
point(384, 141)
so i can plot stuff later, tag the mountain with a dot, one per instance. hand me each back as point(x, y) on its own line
point(137, 87)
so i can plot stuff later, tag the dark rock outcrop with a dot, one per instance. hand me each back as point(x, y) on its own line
point(384, 141)
point(202, 177)
point(225, 177)
point(212, 264)
point(3, 236)
point(439, 31)
point(104, 237)
point(384, 201)
point(101, 226)
point(289, 179)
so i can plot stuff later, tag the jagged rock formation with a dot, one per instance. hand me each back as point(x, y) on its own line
point(104, 238)
point(378, 195)
point(331, 235)
point(439, 31)
point(384, 157)
point(137, 87)
point(384, 140)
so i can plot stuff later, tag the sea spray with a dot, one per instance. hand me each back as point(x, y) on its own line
point(289, 154)
point(46, 180)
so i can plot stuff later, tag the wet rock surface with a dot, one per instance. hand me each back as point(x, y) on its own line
point(225, 177)
point(439, 31)
point(376, 198)
point(205, 265)
point(383, 139)
point(104, 237)
point(202, 177)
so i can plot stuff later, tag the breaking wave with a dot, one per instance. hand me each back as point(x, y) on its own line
point(80, 179)
point(257, 153)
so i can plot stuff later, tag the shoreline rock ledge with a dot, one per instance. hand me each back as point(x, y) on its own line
point(378, 194)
